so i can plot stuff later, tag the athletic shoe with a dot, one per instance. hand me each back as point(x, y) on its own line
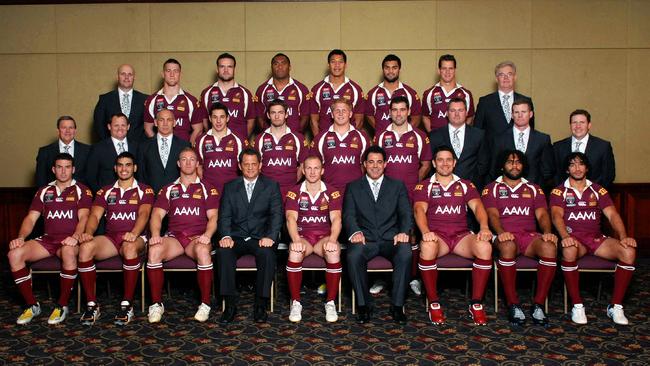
point(29, 312)
point(578, 314)
point(516, 315)
point(58, 315)
point(330, 312)
point(295, 314)
point(436, 315)
point(90, 315)
point(322, 289)
point(203, 313)
point(416, 287)
point(126, 313)
point(477, 313)
point(155, 312)
point(538, 315)
point(376, 288)
point(615, 312)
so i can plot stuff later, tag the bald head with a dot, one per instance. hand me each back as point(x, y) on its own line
point(125, 77)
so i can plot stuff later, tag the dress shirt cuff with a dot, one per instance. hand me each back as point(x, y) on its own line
point(353, 234)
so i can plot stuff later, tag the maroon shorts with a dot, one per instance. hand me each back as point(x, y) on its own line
point(51, 243)
point(591, 241)
point(314, 236)
point(452, 239)
point(182, 238)
point(118, 238)
point(523, 239)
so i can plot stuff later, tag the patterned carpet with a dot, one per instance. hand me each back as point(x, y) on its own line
point(179, 340)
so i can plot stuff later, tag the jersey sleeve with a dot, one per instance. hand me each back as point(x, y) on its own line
point(420, 192)
point(303, 146)
point(100, 200)
point(148, 116)
point(162, 201)
point(213, 198)
point(426, 155)
point(416, 105)
point(86, 199)
point(259, 102)
point(336, 203)
point(488, 196)
point(291, 202)
point(425, 106)
point(360, 105)
point(314, 151)
point(370, 108)
point(540, 199)
point(313, 103)
point(604, 199)
point(305, 104)
point(37, 204)
point(148, 196)
point(472, 193)
point(556, 198)
point(251, 111)
point(197, 113)
point(470, 110)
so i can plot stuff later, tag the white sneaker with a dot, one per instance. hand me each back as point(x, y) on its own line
point(330, 312)
point(58, 315)
point(616, 313)
point(29, 313)
point(416, 287)
point(295, 315)
point(202, 314)
point(155, 312)
point(578, 314)
point(376, 288)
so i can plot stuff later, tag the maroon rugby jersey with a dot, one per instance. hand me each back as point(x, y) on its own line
point(219, 159)
point(60, 209)
point(295, 94)
point(239, 101)
point(378, 104)
point(313, 212)
point(323, 94)
point(516, 205)
point(582, 211)
point(404, 154)
point(121, 205)
point(435, 101)
point(281, 158)
point(187, 207)
point(185, 107)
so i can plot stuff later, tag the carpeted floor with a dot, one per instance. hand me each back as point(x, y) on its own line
point(179, 340)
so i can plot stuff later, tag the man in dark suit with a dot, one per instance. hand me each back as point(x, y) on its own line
point(250, 220)
point(493, 112)
point(67, 128)
point(468, 143)
point(599, 151)
point(157, 157)
point(377, 217)
point(125, 100)
point(100, 169)
point(534, 144)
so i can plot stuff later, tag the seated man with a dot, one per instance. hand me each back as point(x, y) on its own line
point(576, 208)
point(126, 204)
point(191, 205)
point(64, 204)
point(377, 217)
point(513, 204)
point(441, 215)
point(313, 212)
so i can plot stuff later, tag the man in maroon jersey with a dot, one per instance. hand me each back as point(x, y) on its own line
point(172, 97)
point(126, 204)
point(440, 210)
point(283, 87)
point(228, 92)
point(340, 147)
point(513, 204)
point(576, 208)
point(191, 205)
point(335, 86)
point(313, 213)
point(282, 149)
point(378, 108)
point(436, 99)
point(64, 204)
point(218, 149)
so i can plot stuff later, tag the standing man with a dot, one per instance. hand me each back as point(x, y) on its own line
point(515, 207)
point(64, 205)
point(228, 92)
point(125, 100)
point(436, 99)
point(576, 208)
point(101, 162)
point(183, 105)
point(313, 213)
point(67, 128)
point(249, 223)
point(599, 151)
point(378, 109)
point(156, 156)
point(127, 205)
point(192, 206)
point(281, 86)
point(378, 217)
point(494, 111)
point(335, 86)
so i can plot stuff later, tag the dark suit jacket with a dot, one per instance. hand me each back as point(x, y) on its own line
point(489, 115)
point(259, 218)
point(381, 220)
point(601, 159)
point(474, 162)
point(150, 167)
point(101, 161)
point(539, 152)
point(45, 159)
point(109, 104)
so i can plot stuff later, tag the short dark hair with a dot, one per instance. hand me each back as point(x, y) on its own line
point(280, 54)
point(578, 112)
point(374, 149)
point(392, 57)
point(119, 115)
point(249, 151)
point(226, 55)
point(62, 156)
point(522, 101)
point(446, 57)
point(577, 155)
point(65, 118)
point(126, 155)
point(457, 100)
point(185, 149)
point(218, 106)
point(335, 52)
point(442, 148)
point(505, 155)
point(399, 99)
point(279, 102)
point(172, 61)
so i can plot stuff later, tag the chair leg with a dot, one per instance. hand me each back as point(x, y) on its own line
point(354, 304)
point(600, 287)
point(566, 305)
point(142, 290)
point(339, 296)
point(78, 296)
point(272, 296)
point(496, 289)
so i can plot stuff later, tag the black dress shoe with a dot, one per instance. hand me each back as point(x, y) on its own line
point(259, 314)
point(363, 314)
point(397, 313)
point(228, 315)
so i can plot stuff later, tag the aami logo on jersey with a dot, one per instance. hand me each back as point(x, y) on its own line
point(519, 211)
point(344, 160)
point(187, 211)
point(179, 122)
point(220, 163)
point(385, 117)
point(442, 114)
point(582, 216)
point(59, 214)
point(290, 111)
point(122, 216)
point(280, 162)
point(233, 113)
point(447, 210)
point(313, 219)
point(400, 159)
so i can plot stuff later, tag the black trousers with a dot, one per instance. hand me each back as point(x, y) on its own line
point(227, 262)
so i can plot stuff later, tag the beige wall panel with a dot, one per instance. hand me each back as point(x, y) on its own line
point(639, 26)
point(27, 29)
point(484, 24)
point(293, 26)
point(103, 28)
point(197, 27)
point(388, 25)
point(637, 125)
point(30, 113)
point(579, 24)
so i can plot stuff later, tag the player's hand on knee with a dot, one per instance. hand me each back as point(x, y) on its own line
point(331, 246)
point(550, 237)
point(297, 246)
point(16, 243)
point(569, 242)
point(70, 241)
point(628, 242)
point(129, 236)
point(203, 239)
point(430, 237)
point(505, 236)
point(484, 235)
point(155, 240)
point(85, 237)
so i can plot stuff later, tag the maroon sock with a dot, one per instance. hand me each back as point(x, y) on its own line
point(622, 278)
point(204, 277)
point(545, 273)
point(67, 283)
point(572, 280)
point(508, 275)
point(332, 279)
point(481, 269)
point(23, 279)
point(130, 269)
point(429, 274)
point(88, 279)
point(294, 279)
point(156, 278)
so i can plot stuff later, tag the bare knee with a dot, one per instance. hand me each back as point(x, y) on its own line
point(428, 250)
point(627, 255)
point(202, 252)
point(87, 251)
point(69, 256)
point(548, 249)
point(483, 250)
point(296, 257)
point(155, 253)
point(570, 254)
point(333, 257)
point(16, 258)
point(130, 250)
point(507, 249)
